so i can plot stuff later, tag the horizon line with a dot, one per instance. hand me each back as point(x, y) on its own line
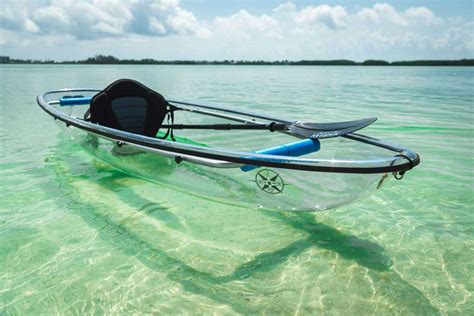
point(109, 59)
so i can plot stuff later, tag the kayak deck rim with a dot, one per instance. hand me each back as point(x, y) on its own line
point(404, 159)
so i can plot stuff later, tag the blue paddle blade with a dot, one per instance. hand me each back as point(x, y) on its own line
point(328, 130)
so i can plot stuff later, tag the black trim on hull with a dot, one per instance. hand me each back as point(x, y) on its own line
point(241, 160)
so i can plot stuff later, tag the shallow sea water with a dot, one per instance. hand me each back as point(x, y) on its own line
point(79, 237)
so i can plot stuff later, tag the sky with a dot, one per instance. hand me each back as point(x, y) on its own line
point(237, 29)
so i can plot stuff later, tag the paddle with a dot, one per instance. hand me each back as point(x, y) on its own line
point(306, 130)
point(328, 130)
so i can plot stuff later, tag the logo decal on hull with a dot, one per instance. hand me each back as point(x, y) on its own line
point(269, 181)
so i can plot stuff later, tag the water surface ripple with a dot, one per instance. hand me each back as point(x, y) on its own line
point(79, 237)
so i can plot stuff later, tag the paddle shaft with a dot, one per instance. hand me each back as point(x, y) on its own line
point(272, 126)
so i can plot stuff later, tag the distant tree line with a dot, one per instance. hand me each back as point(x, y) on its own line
point(111, 60)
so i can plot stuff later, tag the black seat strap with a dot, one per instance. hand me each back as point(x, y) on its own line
point(87, 115)
point(171, 112)
point(170, 119)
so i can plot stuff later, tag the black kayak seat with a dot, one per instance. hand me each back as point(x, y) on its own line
point(129, 106)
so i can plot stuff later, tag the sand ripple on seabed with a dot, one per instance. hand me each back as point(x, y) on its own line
point(154, 274)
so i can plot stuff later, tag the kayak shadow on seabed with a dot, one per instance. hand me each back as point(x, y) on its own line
point(365, 253)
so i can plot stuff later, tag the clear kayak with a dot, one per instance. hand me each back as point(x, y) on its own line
point(226, 155)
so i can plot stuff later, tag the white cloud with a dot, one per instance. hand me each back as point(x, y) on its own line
point(155, 26)
point(284, 9)
point(333, 17)
point(31, 26)
point(422, 15)
point(182, 21)
point(92, 19)
point(14, 16)
point(246, 25)
point(162, 18)
point(385, 14)
point(51, 18)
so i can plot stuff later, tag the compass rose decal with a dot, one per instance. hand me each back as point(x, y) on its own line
point(269, 181)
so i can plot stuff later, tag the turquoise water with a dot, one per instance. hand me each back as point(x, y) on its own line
point(79, 237)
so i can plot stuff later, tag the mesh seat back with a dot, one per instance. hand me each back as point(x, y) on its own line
point(130, 113)
point(129, 106)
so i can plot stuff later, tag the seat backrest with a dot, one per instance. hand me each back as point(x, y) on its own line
point(129, 106)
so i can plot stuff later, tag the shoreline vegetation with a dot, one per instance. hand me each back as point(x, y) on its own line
point(111, 60)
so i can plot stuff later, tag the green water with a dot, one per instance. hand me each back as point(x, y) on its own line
point(78, 237)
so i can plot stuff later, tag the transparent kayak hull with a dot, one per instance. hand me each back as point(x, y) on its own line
point(214, 172)
point(269, 188)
